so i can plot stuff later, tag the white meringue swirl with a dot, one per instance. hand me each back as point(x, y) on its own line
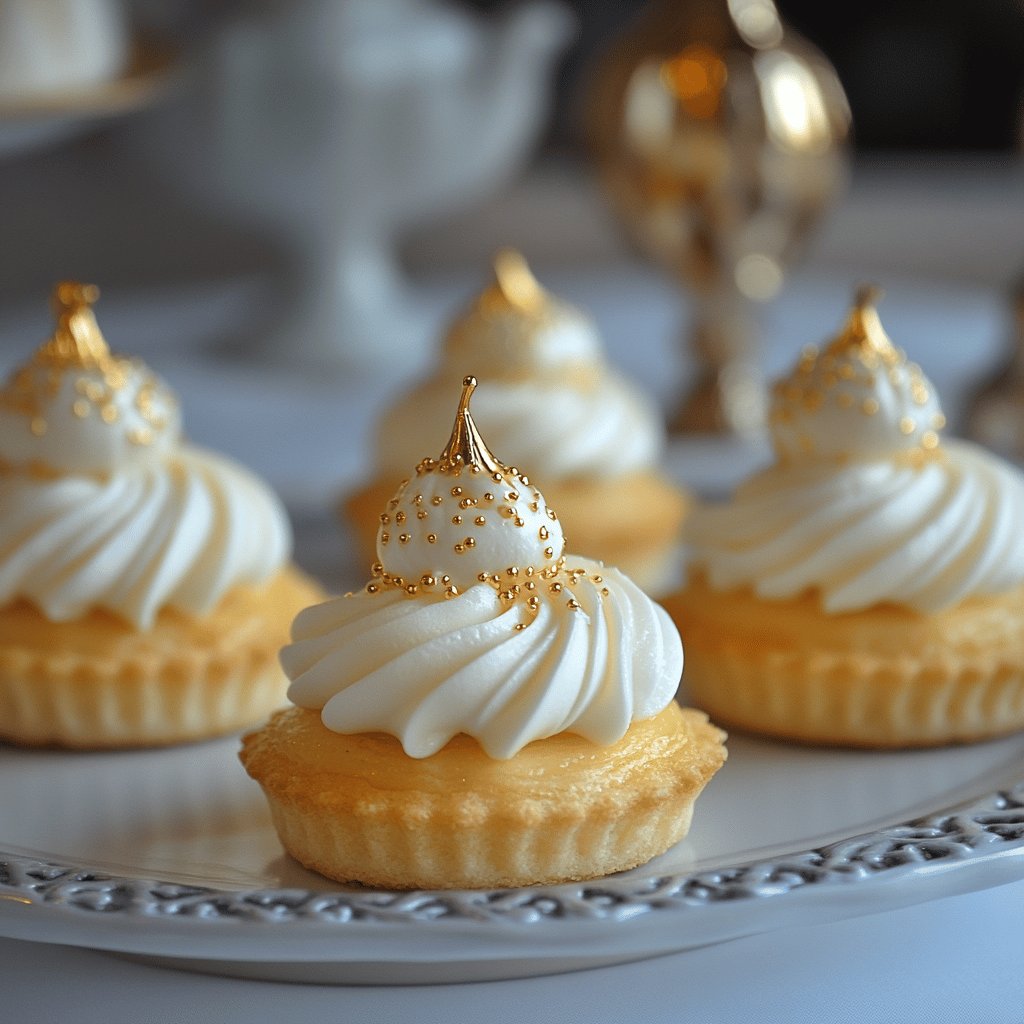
point(425, 669)
point(549, 428)
point(171, 532)
point(924, 535)
point(87, 419)
point(866, 506)
point(548, 401)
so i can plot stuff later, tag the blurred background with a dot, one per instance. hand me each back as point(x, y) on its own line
point(308, 190)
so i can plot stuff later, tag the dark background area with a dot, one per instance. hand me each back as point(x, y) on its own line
point(919, 74)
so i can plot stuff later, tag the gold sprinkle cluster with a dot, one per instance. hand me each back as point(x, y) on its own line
point(467, 453)
point(516, 584)
point(857, 356)
point(77, 344)
point(515, 291)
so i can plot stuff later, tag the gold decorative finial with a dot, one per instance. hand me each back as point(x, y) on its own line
point(77, 339)
point(863, 328)
point(515, 281)
point(466, 447)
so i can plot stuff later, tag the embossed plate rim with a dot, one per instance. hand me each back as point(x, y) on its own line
point(958, 847)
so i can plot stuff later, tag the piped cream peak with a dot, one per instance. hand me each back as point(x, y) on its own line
point(466, 447)
point(863, 329)
point(77, 339)
point(514, 283)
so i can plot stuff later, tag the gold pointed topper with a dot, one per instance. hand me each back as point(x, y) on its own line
point(77, 339)
point(514, 283)
point(466, 448)
point(863, 330)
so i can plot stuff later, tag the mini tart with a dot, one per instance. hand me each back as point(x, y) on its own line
point(883, 677)
point(357, 808)
point(98, 682)
point(632, 522)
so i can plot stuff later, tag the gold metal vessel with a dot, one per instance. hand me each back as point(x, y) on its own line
point(720, 137)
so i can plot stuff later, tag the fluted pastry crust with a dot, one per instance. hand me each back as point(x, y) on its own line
point(97, 682)
point(356, 808)
point(882, 677)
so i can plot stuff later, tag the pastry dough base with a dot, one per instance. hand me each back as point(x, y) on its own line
point(357, 808)
point(883, 677)
point(98, 682)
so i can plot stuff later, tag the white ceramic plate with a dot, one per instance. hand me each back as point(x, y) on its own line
point(170, 855)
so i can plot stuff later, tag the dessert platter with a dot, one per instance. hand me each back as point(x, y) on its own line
point(171, 855)
point(485, 731)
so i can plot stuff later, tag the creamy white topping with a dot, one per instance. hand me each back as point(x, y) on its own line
point(426, 669)
point(457, 526)
point(178, 533)
point(548, 402)
point(865, 506)
point(475, 622)
point(858, 399)
point(86, 419)
point(550, 428)
point(924, 535)
point(101, 505)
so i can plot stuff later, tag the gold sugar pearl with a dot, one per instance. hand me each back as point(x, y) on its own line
point(907, 425)
point(459, 549)
point(519, 626)
point(404, 538)
point(573, 604)
point(400, 517)
point(385, 537)
point(436, 500)
point(488, 496)
point(555, 588)
point(411, 588)
point(549, 552)
point(543, 533)
point(480, 521)
point(422, 514)
point(385, 518)
point(431, 538)
point(469, 542)
point(456, 491)
point(427, 580)
point(456, 520)
point(372, 588)
point(520, 522)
